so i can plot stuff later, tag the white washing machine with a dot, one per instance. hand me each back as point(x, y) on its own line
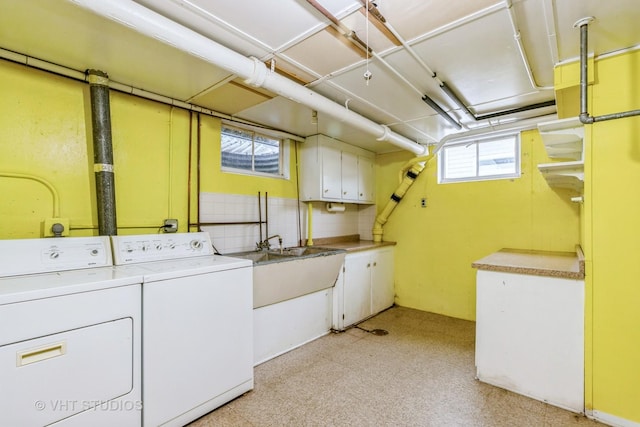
point(197, 325)
point(70, 335)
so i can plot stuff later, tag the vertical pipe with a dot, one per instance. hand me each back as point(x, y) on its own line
point(260, 217)
point(103, 152)
point(584, 108)
point(266, 216)
point(309, 224)
point(189, 171)
point(198, 156)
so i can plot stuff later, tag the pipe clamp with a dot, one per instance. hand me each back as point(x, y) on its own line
point(259, 74)
point(102, 167)
point(385, 135)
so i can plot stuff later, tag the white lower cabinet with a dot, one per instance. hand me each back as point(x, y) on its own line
point(530, 336)
point(364, 287)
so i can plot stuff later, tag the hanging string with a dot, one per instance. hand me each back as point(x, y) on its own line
point(367, 73)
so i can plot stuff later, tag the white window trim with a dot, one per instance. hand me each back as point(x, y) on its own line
point(477, 141)
point(285, 144)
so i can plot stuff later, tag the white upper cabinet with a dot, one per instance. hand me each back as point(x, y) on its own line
point(333, 171)
point(349, 176)
point(366, 180)
point(330, 173)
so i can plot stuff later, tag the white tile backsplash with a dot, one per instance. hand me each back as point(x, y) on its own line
point(284, 219)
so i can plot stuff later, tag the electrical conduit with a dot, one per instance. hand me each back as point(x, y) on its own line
point(252, 70)
point(47, 184)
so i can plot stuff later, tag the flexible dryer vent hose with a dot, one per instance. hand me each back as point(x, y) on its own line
point(411, 170)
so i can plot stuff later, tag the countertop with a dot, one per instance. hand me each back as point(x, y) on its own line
point(351, 243)
point(568, 265)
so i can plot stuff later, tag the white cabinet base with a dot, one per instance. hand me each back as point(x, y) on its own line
point(281, 327)
point(365, 287)
point(530, 336)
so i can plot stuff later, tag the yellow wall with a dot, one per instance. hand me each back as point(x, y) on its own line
point(467, 221)
point(45, 132)
point(610, 239)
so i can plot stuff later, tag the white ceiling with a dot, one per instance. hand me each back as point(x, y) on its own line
point(469, 44)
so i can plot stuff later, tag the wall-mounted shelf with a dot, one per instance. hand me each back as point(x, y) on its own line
point(564, 174)
point(563, 139)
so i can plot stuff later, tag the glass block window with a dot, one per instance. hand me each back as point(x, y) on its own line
point(246, 151)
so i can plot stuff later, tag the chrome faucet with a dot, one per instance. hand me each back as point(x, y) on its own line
point(266, 245)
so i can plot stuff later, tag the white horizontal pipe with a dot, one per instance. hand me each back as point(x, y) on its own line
point(254, 72)
point(521, 50)
point(496, 130)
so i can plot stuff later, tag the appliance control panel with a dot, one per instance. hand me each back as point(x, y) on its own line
point(51, 254)
point(160, 247)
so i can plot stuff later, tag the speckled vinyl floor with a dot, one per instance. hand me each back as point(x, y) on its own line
point(420, 374)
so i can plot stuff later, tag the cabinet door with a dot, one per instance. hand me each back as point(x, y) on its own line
point(357, 287)
point(349, 176)
point(365, 179)
point(331, 173)
point(382, 289)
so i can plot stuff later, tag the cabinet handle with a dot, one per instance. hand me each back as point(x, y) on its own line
point(368, 265)
point(375, 263)
point(360, 194)
point(326, 190)
point(344, 192)
point(41, 353)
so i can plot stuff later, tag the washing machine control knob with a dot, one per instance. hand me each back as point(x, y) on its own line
point(196, 244)
point(158, 246)
point(54, 254)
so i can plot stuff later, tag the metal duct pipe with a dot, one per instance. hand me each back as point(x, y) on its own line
point(103, 152)
point(529, 107)
point(585, 118)
point(252, 70)
point(431, 103)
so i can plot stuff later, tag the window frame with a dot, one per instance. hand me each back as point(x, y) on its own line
point(283, 160)
point(476, 142)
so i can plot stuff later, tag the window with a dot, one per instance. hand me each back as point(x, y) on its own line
point(249, 152)
point(479, 160)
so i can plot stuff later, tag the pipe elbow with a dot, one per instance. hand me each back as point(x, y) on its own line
point(586, 119)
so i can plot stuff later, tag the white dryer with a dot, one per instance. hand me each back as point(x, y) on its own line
point(197, 324)
point(70, 327)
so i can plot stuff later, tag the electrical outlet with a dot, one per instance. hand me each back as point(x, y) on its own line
point(170, 225)
point(47, 228)
point(423, 202)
